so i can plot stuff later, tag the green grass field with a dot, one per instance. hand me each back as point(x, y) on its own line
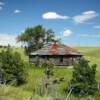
point(36, 75)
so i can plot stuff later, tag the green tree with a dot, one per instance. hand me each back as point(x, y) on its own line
point(36, 37)
point(83, 81)
point(12, 68)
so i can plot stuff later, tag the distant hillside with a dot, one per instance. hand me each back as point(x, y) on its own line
point(90, 51)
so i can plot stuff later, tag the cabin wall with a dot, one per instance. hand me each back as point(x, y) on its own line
point(57, 60)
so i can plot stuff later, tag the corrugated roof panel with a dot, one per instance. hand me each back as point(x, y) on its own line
point(56, 49)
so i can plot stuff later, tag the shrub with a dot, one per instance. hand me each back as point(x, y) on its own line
point(12, 68)
point(47, 64)
point(83, 81)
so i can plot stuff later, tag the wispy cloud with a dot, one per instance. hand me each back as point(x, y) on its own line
point(2, 3)
point(85, 16)
point(0, 8)
point(54, 15)
point(98, 26)
point(6, 39)
point(81, 18)
point(17, 11)
point(67, 33)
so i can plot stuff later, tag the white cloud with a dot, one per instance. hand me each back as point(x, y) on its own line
point(67, 33)
point(6, 39)
point(64, 34)
point(0, 8)
point(85, 16)
point(53, 15)
point(17, 11)
point(2, 3)
point(98, 26)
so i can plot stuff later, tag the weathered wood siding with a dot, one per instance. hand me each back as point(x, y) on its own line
point(57, 60)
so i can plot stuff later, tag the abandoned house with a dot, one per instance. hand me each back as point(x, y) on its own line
point(60, 55)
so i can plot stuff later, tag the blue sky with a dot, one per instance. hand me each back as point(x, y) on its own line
point(76, 22)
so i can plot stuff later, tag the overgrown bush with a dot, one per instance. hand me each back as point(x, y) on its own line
point(47, 64)
point(49, 85)
point(12, 68)
point(83, 81)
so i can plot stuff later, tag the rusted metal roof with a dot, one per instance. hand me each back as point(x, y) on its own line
point(56, 49)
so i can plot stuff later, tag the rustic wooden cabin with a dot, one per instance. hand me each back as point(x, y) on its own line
point(60, 55)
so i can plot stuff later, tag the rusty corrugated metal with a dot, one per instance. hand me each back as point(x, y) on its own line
point(56, 49)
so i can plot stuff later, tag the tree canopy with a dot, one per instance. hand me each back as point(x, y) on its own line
point(36, 37)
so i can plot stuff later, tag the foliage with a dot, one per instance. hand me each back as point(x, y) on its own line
point(36, 75)
point(50, 85)
point(48, 65)
point(35, 38)
point(12, 68)
point(83, 81)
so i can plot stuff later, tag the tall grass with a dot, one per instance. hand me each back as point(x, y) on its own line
point(36, 75)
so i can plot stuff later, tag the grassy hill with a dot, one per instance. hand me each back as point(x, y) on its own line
point(36, 75)
point(93, 55)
